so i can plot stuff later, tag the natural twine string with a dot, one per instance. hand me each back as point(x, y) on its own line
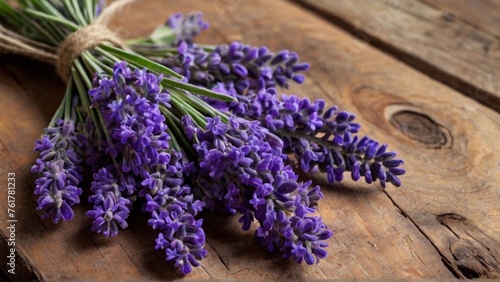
point(74, 45)
point(84, 39)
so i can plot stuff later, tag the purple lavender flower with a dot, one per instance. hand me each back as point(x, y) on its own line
point(320, 137)
point(186, 27)
point(59, 167)
point(241, 166)
point(323, 138)
point(56, 194)
point(243, 66)
point(129, 103)
point(99, 6)
point(172, 208)
point(109, 215)
point(111, 203)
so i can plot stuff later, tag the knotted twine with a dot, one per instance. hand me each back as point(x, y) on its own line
point(62, 57)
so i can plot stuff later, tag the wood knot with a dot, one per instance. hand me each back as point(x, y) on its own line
point(421, 128)
point(473, 255)
point(447, 217)
point(474, 260)
point(449, 17)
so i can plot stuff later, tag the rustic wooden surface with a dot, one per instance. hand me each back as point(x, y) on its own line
point(483, 14)
point(443, 45)
point(443, 223)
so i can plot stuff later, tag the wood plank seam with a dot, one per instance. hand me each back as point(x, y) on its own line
point(493, 9)
point(469, 89)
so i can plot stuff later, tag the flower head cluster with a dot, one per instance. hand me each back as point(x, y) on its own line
point(59, 167)
point(129, 104)
point(111, 205)
point(242, 66)
point(186, 28)
point(241, 166)
point(321, 137)
point(172, 209)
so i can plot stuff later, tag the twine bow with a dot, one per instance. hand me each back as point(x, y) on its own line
point(62, 57)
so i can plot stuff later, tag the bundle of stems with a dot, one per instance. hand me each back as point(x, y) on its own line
point(172, 127)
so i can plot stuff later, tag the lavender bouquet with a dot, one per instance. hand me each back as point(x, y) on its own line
point(173, 128)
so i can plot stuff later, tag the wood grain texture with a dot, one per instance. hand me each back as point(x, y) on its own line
point(483, 14)
point(434, 41)
point(440, 225)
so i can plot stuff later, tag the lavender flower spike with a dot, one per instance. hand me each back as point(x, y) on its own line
point(59, 166)
point(237, 65)
point(147, 167)
point(322, 137)
point(111, 206)
point(186, 27)
point(242, 168)
point(172, 209)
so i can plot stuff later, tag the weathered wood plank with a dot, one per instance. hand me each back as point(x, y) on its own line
point(376, 236)
point(483, 14)
point(433, 41)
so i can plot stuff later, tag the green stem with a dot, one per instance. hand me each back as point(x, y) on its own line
point(89, 11)
point(53, 19)
point(81, 120)
point(100, 118)
point(172, 123)
point(167, 82)
point(155, 67)
point(10, 13)
point(58, 114)
point(86, 102)
point(95, 64)
point(47, 32)
point(208, 48)
point(79, 14)
point(140, 60)
point(107, 56)
point(202, 106)
point(67, 98)
point(188, 110)
point(83, 74)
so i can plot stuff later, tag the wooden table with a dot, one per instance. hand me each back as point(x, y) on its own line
point(419, 75)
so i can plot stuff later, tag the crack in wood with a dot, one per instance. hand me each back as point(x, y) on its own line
point(221, 260)
point(444, 259)
point(442, 218)
point(218, 255)
point(211, 277)
point(129, 257)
